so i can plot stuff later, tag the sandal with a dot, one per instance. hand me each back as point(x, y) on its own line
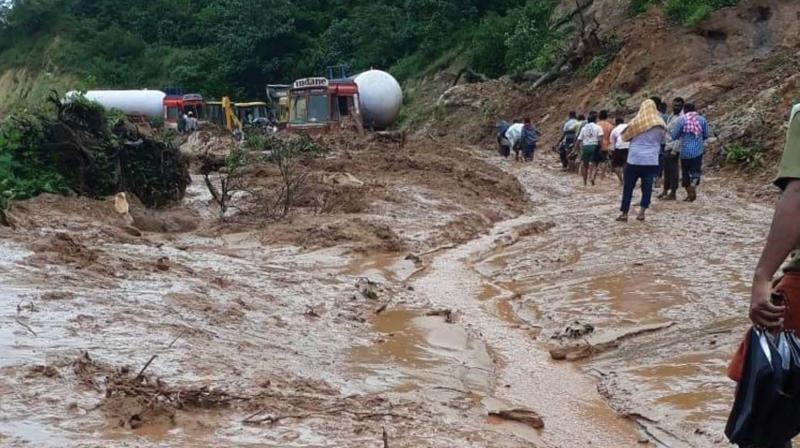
point(622, 218)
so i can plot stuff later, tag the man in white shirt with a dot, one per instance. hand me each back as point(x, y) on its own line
point(514, 137)
point(619, 148)
point(589, 143)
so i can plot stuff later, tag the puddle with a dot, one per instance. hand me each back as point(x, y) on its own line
point(505, 311)
point(692, 385)
point(29, 433)
point(383, 267)
point(195, 429)
point(413, 351)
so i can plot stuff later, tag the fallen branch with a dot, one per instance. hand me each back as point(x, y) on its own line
point(141, 372)
point(175, 340)
point(25, 326)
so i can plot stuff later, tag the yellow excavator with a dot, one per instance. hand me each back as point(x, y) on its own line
point(224, 114)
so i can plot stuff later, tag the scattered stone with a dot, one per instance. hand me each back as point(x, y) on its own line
point(132, 231)
point(574, 330)
point(381, 308)
point(162, 264)
point(520, 415)
point(368, 288)
point(414, 258)
point(57, 295)
point(311, 312)
point(446, 313)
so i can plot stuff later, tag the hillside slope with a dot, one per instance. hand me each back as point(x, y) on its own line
point(738, 65)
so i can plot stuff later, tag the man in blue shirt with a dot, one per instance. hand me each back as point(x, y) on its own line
point(692, 130)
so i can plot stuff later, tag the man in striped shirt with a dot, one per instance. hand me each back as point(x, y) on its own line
point(692, 130)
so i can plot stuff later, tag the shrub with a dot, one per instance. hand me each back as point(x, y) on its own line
point(639, 6)
point(597, 65)
point(691, 12)
point(749, 156)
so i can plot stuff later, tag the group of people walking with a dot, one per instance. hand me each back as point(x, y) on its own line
point(654, 145)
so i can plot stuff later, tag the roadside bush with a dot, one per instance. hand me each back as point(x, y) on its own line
point(749, 156)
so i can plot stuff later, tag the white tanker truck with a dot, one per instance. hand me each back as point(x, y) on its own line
point(148, 103)
point(370, 100)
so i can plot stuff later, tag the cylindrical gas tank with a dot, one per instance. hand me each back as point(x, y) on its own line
point(380, 98)
point(149, 103)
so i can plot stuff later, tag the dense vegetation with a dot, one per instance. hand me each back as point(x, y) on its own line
point(227, 46)
point(235, 47)
point(79, 148)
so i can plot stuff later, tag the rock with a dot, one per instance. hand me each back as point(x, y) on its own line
point(368, 288)
point(575, 330)
point(525, 416)
point(344, 179)
point(413, 258)
point(446, 313)
point(133, 231)
point(162, 264)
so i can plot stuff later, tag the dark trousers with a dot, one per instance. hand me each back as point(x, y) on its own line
point(631, 175)
point(564, 149)
point(671, 172)
point(527, 152)
point(562, 154)
point(692, 171)
point(661, 158)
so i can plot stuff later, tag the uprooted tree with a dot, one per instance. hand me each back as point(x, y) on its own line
point(270, 171)
point(76, 147)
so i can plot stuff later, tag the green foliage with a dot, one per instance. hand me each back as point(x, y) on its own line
point(229, 47)
point(488, 49)
point(532, 43)
point(639, 6)
point(749, 156)
point(24, 170)
point(78, 148)
point(597, 65)
point(684, 12)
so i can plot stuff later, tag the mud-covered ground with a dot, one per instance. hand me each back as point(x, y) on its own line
point(250, 334)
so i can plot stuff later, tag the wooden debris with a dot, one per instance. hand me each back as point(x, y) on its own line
point(525, 416)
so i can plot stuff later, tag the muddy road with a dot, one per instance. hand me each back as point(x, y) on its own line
point(209, 338)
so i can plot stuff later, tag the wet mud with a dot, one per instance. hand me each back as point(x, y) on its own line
point(335, 345)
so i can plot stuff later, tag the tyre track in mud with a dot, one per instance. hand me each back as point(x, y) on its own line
point(688, 264)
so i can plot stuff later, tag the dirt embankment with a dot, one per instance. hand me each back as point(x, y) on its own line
point(738, 66)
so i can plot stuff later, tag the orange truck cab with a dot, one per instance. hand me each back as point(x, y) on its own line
point(320, 104)
point(176, 105)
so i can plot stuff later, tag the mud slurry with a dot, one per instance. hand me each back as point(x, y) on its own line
point(259, 343)
point(688, 265)
point(246, 342)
